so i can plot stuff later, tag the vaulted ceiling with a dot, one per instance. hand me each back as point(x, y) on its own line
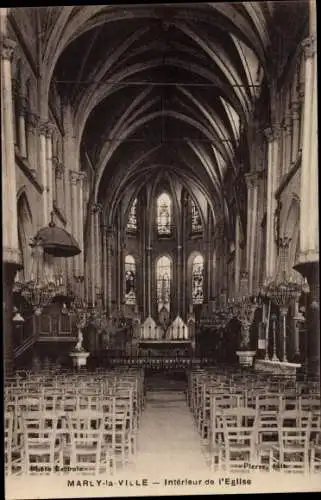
point(160, 88)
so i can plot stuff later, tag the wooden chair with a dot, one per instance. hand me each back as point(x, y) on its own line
point(315, 453)
point(291, 453)
point(240, 429)
point(13, 453)
point(87, 451)
point(42, 446)
point(116, 432)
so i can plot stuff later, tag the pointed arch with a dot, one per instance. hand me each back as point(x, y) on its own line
point(25, 233)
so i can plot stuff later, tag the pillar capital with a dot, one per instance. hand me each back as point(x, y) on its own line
point(309, 46)
point(82, 176)
point(96, 208)
point(272, 133)
point(32, 120)
point(50, 129)
point(295, 109)
point(287, 123)
point(59, 169)
point(45, 128)
point(7, 48)
point(74, 177)
point(23, 105)
point(252, 179)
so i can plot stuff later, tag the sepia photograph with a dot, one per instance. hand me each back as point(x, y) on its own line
point(160, 240)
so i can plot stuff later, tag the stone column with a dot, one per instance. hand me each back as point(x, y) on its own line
point(306, 179)
point(91, 260)
point(81, 216)
point(59, 175)
point(209, 261)
point(11, 254)
point(9, 185)
point(252, 186)
point(179, 278)
point(296, 106)
point(97, 265)
point(149, 280)
point(43, 169)
point(74, 179)
point(143, 260)
point(296, 331)
point(287, 143)
point(308, 264)
point(184, 305)
point(22, 111)
point(104, 263)
point(121, 266)
point(272, 135)
point(309, 231)
point(237, 255)
point(110, 249)
point(50, 169)
point(32, 122)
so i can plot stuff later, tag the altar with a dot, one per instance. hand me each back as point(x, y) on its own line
point(165, 349)
point(172, 340)
point(275, 367)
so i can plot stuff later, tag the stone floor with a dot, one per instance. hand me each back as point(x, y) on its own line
point(168, 443)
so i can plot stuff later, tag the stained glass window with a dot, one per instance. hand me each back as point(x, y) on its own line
point(163, 279)
point(132, 217)
point(164, 216)
point(196, 218)
point(198, 280)
point(130, 279)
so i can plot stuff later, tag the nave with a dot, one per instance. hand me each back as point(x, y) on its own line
point(122, 424)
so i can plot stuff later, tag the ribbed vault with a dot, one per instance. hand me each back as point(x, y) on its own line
point(160, 87)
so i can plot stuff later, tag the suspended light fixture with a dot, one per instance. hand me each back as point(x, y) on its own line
point(39, 291)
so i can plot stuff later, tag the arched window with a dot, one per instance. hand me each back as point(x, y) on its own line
point(164, 214)
point(163, 282)
point(130, 278)
point(198, 280)
point(196, 218)
point(132, 217)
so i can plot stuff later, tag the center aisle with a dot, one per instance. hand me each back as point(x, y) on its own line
point(168, 444)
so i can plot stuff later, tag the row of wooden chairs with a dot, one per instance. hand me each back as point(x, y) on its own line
point(82, 441)
point(215, 395)
point(47, 400)
point(244, 439)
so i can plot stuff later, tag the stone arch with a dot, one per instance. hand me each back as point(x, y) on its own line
point(25, 233)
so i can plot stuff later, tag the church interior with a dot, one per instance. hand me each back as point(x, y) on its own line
point(160, 238)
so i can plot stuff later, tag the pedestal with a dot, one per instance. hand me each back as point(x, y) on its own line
point(246, 357)
point(79, 359)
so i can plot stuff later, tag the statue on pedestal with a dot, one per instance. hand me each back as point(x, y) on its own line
point(80, 338)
